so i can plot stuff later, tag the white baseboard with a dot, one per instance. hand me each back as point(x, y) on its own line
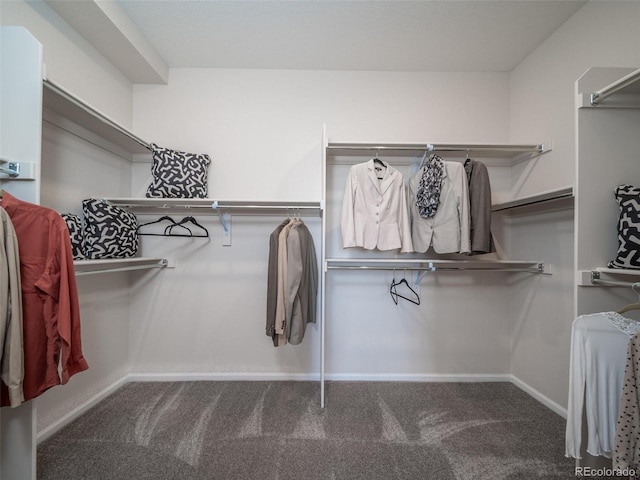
point(417, 377)
point(559, 409)
point(221, 376)
point(79, 410)
point(339, 377)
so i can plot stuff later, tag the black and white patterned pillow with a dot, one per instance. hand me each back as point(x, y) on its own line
point(74, 225)
point(109, 231)
point(178, 174)
point(628, 256)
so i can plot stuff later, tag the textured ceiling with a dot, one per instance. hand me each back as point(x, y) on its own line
point(445, 35)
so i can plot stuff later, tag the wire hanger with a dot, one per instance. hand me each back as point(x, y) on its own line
point(632, 306)
point(190, 221)
point(393, 291)
point(182, 231)
point(382, 166)
point(165, 218)
point(377, 160)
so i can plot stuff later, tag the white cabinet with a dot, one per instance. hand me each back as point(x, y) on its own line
point(608, 155)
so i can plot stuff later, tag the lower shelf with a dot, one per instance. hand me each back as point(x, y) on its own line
point(88, 267)
point(435, 265)
point(608, 277)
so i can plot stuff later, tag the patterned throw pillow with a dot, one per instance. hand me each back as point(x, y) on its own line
point(74, 224)
point(628, 256)
point(178, 174)
point(109, 231)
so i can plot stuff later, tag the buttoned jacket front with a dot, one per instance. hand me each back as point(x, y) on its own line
point(374, 211)
point(448, 230)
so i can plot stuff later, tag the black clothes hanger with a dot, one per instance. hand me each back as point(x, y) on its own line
point(377, 161)
point(393, 291)
point(467, 159)
point(187, 220)
point(172, 223)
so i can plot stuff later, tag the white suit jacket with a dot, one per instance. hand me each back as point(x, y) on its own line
point(374, 212)
point(448, 229)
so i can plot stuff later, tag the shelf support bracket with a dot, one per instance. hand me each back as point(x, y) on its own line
point(11, 168)
point(225, 221)
point(419, 275)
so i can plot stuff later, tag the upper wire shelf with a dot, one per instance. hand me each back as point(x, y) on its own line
point(211, 206)
point(111, 265)
point(66, 105)
point(435, 265)
point(508, 154)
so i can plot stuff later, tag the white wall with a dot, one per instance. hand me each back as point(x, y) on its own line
point(542, 106)
point(263, 131)
point(263, 128)
point(70, 61)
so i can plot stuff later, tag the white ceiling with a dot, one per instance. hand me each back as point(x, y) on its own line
point(443, 35)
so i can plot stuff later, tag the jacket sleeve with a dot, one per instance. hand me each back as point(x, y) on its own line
point(480, 201)
point(12, 351)
point(405, 221)
point(464, 214)
point(348, 220)
point(294, 277)
point(72, 360)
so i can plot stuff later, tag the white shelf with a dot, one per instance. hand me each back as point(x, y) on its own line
point(557, 199)
point(623, 93)
point(609, 277)
point(86, 267)
point(206, 206)
point(503, 154)
point(435, 265)
point(74, 115)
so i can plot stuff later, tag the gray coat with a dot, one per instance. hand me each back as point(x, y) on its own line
point(479, 207)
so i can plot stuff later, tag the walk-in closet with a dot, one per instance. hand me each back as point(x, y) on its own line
point(241, 315)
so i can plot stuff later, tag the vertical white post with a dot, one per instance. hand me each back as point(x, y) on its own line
point(323, 270)
point(20, 140)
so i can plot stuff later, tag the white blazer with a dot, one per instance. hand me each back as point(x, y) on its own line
point(374, 212)
point(448, 229)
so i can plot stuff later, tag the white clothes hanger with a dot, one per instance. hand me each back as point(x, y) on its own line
point(632, 306)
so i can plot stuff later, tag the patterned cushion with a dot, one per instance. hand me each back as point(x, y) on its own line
point(178, 174)
point(628, 256)
point(109, 231)
point(74, 224)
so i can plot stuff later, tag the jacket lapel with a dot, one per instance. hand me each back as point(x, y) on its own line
point(389, 176)
point(371, 172)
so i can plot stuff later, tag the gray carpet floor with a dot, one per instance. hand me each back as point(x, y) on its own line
point(277, 431)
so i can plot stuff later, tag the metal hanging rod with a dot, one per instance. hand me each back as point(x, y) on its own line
point(431, 147)
point(252, 205)
point(614, 88)
point(12, 168)
point(434, 265)
point(61, 92)
point(207, 205)
point(163, 263)
point(597, 280)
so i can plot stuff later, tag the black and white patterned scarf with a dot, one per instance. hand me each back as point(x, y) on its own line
point(428, 196)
